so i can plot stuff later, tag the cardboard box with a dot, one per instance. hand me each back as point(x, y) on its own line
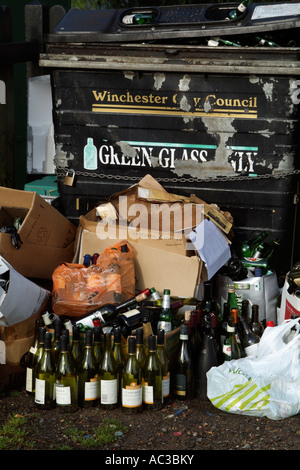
point(47, 236)
point(20, 298)
point(161, 269)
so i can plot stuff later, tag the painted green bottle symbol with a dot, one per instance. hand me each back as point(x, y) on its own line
point(90, 155)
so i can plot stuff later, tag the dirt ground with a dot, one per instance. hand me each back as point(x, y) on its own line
point(180, 428)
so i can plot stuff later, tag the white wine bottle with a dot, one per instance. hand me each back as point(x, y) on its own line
point(88, 375)
point(29, 385)
point(116, 349)
point(76, 350)
point(38, 354)
point(97, 345)
point(45, 377)
point(165, 365)
point(152, 378)
point(140, 348)
point(108, 372)
point(183, 384)
point(66, 388)
point(132, 393)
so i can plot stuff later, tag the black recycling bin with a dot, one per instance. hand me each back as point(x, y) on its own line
point(220, 122)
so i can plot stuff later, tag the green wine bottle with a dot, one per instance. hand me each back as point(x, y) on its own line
point(140, 348)
point(231, 348)
point(97, 347)
point(108, 376)
point(165, 322)
point(152, 378)
point(45, 377)
point(58, 327)
point(132, 392)
point(165, 364)
point(66, 388)
point(116, 349)
point(88, 375)
point(236, 13)
point(76, 349)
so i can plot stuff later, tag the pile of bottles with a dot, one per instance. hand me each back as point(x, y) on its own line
point(252, 258)
point(71, 374)
point(209, 337)
point(293, 279)
point(70, 367)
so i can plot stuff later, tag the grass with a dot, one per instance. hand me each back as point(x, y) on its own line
point(105, 434)
point(13, 434)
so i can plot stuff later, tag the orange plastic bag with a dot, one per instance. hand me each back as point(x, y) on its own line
point(78, 290)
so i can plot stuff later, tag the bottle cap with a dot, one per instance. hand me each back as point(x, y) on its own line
point(48, 340)
point(161, 337)
point(151, 342)
point(97, 333)
point(131, 345)
point(89, 337)
point(270, 323)
point(117, 334)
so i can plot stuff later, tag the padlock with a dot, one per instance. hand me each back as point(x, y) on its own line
point(69, 178)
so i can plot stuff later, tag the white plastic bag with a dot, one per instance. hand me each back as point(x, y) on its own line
point(265, 385)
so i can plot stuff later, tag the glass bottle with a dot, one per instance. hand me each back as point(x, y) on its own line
point(152, 378)
point(116, 349)
point(132, 392)
point(45, 377)
point(131, 320)
point(247, 248)
point(66, 388)
point(97, 346)
point(108, 376)
point(38, 354)
point(164, 322)
point(58, 326)
point(140, 348)
point(88, 375)
point(107, 313)
point(234, 14)
point(195, 336)
point(231, 348)
point(238, 331)
point(256, 326)
point(183, 383)
point(29, 385)
point(139, 18)
point(76, 349)
point(232, 299)
point(207, 358)
point(165, 364)
point(249, 340)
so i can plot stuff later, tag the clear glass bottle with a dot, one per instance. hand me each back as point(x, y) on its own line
point(152, 378)
point(38, 354)
point(165, 317)
point(88, 375)
point(165, 364)
point(183, 379)
point(231, 348)
point(66, 388)
point(45, 377)
point(108, 376)
point(132, 392)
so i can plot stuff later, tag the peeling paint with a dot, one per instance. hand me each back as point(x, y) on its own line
point(159, 79)
point(129, 75)
point(268, 90)
point(184, 83)
point(61, 157)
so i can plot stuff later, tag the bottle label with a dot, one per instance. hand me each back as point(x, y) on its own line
point(63, 395)
point(166, 385)
point(227, 349)
point(29, 379)
point(40, 391)
point(132, 396)
point(109, 391)
point(91, 390)
point(148, 394)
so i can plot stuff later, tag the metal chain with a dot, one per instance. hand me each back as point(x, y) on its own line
point(282, 174)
